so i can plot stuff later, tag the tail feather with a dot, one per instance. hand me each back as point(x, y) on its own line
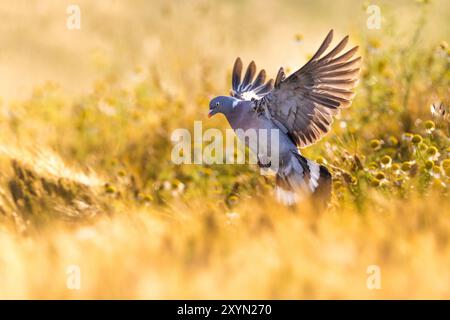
point(301, 177)
point(287, 197)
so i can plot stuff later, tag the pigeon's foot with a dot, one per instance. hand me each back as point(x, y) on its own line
point(264, 165)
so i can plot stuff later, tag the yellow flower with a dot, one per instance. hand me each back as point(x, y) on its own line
point(380, 176)
point(436, 169)
point(375, 144)
point(207, 171)
point(438, 184)
point(232, 199)
point(447, 171)
point(374, 43)
point(422, 146)
point(407, 136)
point(375, 182)
point(393, 141)
point(373, 166)
point(429, 164)
point(399, 181)
point(429, 125)
point(446, 163)
point(406, 166)
point(381, 66)
point(386, 161)
point(176, 183)
point(109, 188)
point(298, 37)
point(337, 184)
point(432, 151)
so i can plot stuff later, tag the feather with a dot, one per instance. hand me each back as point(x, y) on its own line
point(335, 51)
point(237, 70)
point(339, 66)
point(249, 74)
point(315, 92)
point(280, 77)
point(324, 46)
point(259, 79)
point(350, 53)
point(249, 88)
point(265, 88)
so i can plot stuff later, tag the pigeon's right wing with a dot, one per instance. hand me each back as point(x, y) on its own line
point(250, 87)
point(304, 103)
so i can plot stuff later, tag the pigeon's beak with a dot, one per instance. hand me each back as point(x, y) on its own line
point(210, 113)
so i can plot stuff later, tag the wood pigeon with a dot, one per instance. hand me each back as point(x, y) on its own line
point(300, 106)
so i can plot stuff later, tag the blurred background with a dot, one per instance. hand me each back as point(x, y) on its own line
point(175, 36)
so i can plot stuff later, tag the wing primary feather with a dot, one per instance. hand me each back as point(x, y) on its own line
point(342, 93)
point(326, 102)
point(304, 103)
point(349, 73)
point(249, 87)
point(344, 57)
point(341, 45)
point(348, 83)
point(338, 66)
point(265, 88)
point(341, 101)
point(280, 77)
point(324, 46)
point(259, 79)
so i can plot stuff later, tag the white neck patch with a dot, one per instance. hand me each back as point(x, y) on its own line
point(235, 103)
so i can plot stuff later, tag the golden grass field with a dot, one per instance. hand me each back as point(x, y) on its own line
point(86, 177)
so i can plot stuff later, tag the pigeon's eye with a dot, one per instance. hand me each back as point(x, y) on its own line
point(217, 104)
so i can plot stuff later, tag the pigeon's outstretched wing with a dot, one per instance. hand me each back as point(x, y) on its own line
point(304, 103)
point(250, 87)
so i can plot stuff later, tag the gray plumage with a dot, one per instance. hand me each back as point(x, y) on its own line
point(301, 106)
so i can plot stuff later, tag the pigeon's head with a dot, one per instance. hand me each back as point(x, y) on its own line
point(222, 104)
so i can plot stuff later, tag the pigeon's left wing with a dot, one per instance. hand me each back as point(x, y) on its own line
point(250, 87)
point(304, 103)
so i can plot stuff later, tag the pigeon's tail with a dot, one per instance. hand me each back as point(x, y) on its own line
point(302, 177)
